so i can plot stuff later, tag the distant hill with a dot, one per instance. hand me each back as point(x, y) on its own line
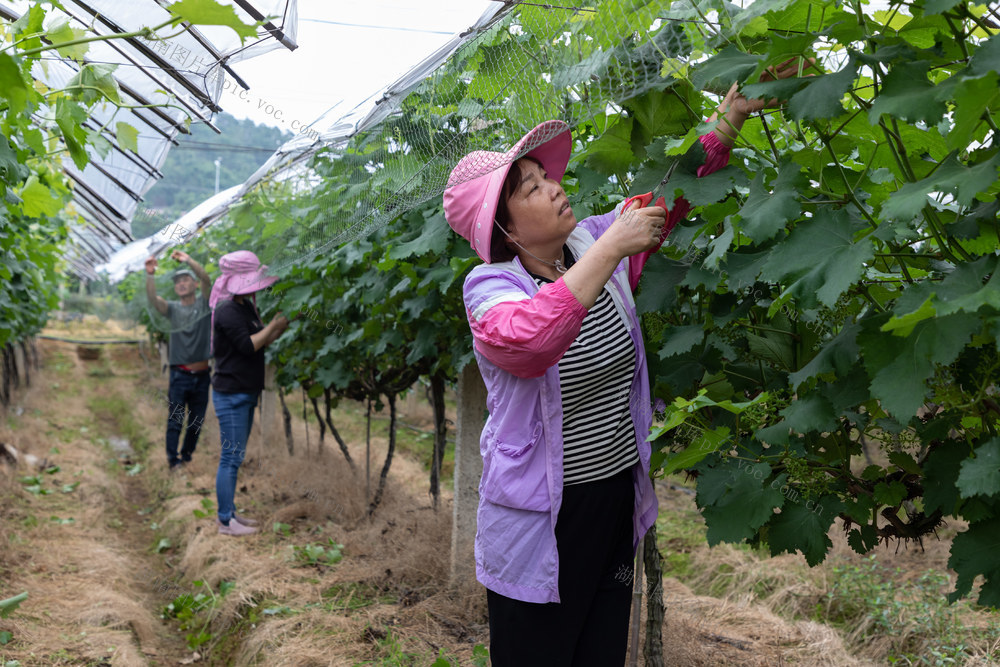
point(189, 171)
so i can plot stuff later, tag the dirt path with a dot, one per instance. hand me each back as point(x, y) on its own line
point(102, 559)
point(77, 524)
point(141, 537)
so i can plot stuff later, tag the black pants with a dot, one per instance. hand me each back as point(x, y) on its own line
point(188, 393)
point(589, 627)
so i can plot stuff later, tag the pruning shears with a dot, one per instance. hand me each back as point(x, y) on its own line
point(655, 198)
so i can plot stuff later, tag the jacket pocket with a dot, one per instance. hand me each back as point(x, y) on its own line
point(515, 474)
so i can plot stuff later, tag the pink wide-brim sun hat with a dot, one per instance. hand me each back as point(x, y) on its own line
point(242, 273)
point(473, 192)
point(246, 273)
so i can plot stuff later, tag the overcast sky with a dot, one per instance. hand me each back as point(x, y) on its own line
point(348, 50)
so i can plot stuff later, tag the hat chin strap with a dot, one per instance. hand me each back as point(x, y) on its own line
point(557, 264)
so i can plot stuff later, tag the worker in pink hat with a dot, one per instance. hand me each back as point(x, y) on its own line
point(565, 494)
point(239, 338)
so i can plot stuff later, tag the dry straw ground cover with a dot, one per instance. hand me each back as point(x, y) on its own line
point(123, 564)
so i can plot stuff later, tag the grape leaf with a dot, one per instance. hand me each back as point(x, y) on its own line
point(593, 66)
point(39, 200)
point(782, 89)
point(973, 96)
point(974, 553)
point(847, 391)
point(964, 290)
point(986, 58)
point(820, 258)
point(656, 288)
point(658, 114)
point(706, 189)
point(812, 412)
point(860, 507)
point(768, 208)
point(703, 445)
point(981, 475)
point(908, 94)
point(783, 46)
point(890, 494)
point(128, 136)
point(902, 325)
point(611, 153)
point(951, 176)
point(735, 500)
point(743, 268)
point(70, 117)
point(863, 539)
point(60, 32)
point(939, 6)
point(724, 68)
point(822, 95)
point(12, 86)
point(920, 32)
point(905, 462)
point(94, 82)
point(209, 12)
point(900, 367)
point(678, 340)
point(433, 239)
point(757, 9)
point(773, 348)
point(802, 526)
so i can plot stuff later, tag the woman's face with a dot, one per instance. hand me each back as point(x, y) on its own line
point(540, 214)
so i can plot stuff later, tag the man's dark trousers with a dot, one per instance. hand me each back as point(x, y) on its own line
point(188, 394)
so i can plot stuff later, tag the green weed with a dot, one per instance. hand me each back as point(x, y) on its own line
point(206, 509)
point(391, 654)
point(195, 611)
point(317, 554)
point(866, 601)
point(354, 595)
point(480, 658)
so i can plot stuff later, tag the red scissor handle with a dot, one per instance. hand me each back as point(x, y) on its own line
point(644, 200)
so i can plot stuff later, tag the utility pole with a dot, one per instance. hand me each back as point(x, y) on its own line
point(218, 165)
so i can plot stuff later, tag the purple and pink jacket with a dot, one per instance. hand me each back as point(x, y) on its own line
point(521, 332)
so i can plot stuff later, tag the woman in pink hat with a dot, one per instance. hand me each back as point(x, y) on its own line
point(239, 338)
point(565, 494)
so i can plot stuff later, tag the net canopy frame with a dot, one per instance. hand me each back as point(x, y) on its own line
point(177, 78)
point(625, 51)
point(290, 161)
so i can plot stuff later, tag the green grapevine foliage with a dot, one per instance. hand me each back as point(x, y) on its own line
point(843, 269)
point(834, 288)
point(40, 126)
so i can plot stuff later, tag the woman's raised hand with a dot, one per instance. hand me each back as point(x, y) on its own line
point(786, 70)
point(637, 229)
point(735, 108)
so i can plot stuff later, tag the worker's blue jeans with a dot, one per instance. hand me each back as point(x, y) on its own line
point(235, 413)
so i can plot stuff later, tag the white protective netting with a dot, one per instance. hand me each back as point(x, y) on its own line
point(182, 69)
point(519, 65)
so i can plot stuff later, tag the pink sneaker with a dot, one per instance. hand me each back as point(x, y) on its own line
point(253, 523)
point(235, 528)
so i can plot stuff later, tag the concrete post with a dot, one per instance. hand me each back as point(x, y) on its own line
point(468, 470)
point(20, 365)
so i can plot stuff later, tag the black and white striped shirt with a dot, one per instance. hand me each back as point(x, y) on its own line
point(595, 380)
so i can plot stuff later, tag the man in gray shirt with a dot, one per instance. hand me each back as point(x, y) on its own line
point(189, 351)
